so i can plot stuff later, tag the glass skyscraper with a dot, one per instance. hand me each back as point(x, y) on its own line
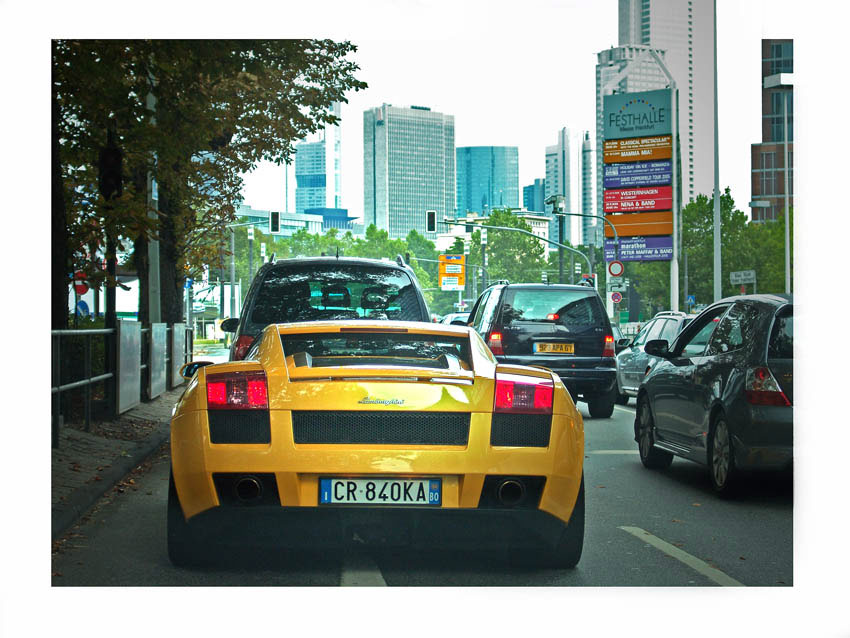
point(533, 196)
point(487, 178)
point(408, 168)
point(589, 225)
point(317, 169)
point(558, 183)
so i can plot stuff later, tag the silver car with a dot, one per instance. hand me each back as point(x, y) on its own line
point(633, 363)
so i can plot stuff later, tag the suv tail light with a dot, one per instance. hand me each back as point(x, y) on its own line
point(519, 394)
point(761, 388)
point(608, 346)
point(237, 391)
point(494, 340)
point(241, 347)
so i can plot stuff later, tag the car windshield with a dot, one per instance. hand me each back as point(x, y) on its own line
point(569, 307)
point(316, 292)
point(378, 349)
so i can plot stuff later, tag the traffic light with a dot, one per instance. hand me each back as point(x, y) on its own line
point(431, 221)
point(274, 222)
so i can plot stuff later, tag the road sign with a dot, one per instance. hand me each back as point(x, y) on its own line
point(452, 272)
point(619, 286)
point(743, 277)
point(250, 233)
point(616, 297)
point(640, 224)
point(690, 299)
point(80, 286)
point(616, 268)
point(188, 284)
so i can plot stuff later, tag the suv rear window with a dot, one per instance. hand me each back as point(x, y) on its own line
point(317, 292)
point(572, 307)
point(782, 336)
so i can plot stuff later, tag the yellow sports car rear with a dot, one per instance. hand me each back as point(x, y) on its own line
point(386, 432)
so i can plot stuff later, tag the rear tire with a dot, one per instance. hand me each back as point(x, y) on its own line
point(651, 457)
point(567, 552)
point(721, 459)
point(602, 407)
point(183, 548)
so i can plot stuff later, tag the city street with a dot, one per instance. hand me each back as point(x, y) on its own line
point(644, 528)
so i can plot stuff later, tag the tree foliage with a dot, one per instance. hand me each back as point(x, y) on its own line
point(219, 108)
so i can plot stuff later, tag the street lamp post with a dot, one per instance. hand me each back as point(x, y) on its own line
point(787, 188)
point(717, 262)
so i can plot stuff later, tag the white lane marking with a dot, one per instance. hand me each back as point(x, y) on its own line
point(361, 571)
point(712, 573)
point(613, 452)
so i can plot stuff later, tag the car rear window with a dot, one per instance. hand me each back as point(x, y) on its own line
point(378, 349)
point(317, 292)
point(781, 344)
point(570, 307)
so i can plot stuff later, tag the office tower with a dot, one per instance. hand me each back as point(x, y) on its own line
point(623, 69)
point(408, 168)
point(684, 30)
point(558, 183)
point(768, 158)
point(589, 225)
point(487, 178)
point(533, 196)
point(317, 169)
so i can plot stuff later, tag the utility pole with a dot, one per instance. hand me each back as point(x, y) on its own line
point(250, 252)
point(787, 189)
point(717, 262)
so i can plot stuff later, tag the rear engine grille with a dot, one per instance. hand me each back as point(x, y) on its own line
point(411, 428)
point(520, 430)
point(239, 426)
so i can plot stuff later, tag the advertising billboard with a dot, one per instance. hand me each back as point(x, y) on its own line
point(637, 114)
point(633, 200)
point(637, 149)
point(641, 249)
point(631, 174)
point(640, 224)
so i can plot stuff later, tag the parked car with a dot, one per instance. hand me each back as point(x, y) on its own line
point(619, 340)
point(722, 393)
point(633, 363)
point(457, 318)
point(324, 289)
point(333, 433)
point(562, 327)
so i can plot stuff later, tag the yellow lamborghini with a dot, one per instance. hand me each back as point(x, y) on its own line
point(376, 431)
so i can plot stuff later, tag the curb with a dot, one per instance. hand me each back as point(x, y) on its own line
point(66, 514)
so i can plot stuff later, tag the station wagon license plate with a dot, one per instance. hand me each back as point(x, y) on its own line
point(556, 348)
point(381, 491)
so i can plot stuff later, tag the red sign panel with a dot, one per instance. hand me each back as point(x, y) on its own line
point(635, 200)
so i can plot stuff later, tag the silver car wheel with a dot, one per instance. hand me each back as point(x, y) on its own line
point(720, 454)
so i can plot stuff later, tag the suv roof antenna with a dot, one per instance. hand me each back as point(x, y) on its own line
point(337, 251)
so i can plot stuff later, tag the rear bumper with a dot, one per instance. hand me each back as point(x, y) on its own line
point(342, 526)
point(764, 438)
point(580, 376)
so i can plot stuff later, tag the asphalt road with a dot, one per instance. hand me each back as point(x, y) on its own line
point(644, 528)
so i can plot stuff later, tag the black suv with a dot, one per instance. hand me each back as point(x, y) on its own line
point(563, 328)
point(323, 289)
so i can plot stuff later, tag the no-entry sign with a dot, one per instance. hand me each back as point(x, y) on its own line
point(80, 286)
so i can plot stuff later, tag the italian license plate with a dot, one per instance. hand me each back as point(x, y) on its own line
point(381, 491)
point(557, 348)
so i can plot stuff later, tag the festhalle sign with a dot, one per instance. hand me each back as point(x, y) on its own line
point(637, 114)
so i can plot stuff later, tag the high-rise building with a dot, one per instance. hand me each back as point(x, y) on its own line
point(558, 182)
point(317, 169)
point(768, 158)
point(408, 168)
point(623, 69)
point(589, 225)
point(487, 178)
point(684, 30)
point(534, 195)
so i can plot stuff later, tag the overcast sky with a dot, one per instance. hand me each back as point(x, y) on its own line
point(513, 74)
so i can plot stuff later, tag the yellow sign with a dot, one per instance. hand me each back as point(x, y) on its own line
point(452, 272)
point(640, 224)
point(637, 149)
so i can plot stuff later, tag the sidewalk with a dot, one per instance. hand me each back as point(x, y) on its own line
point(86, 465)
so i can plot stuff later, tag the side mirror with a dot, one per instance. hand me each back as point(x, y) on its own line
point(459, 322)
point(188, 370)
point(657, 348)
point(622, 343)
point(230, 325)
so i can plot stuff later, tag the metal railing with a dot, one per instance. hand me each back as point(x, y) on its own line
point(142, 354)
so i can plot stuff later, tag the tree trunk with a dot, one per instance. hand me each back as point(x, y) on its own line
point(58, 234)
point(170, 277)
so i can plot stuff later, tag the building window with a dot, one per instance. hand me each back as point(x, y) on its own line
point(768, 159)
point(767, 183)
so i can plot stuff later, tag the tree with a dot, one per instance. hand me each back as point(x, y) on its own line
point(511, 255)
point(220, 108)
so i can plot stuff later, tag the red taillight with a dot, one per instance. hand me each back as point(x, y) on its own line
point(762, 389)
point(608, 346)
point(552, 316)
point(524, 395)
point(494, 342)
point(237, 391)
point(241, 347)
